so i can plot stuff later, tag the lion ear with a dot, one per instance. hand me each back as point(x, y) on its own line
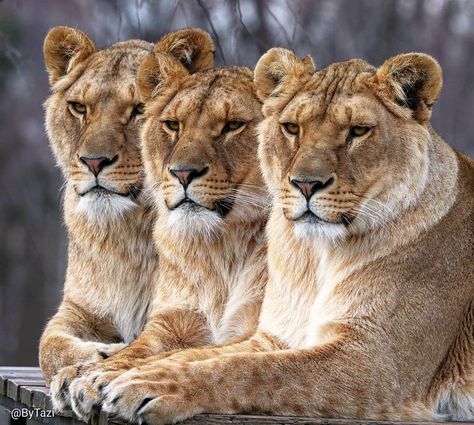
point(193, 48)
point(278, 66)
point(413, 80)
point(157, 70)
point(64, 48)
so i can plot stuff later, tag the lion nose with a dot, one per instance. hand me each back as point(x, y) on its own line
point(186, 176)
point(309, 187)
point(97, 164)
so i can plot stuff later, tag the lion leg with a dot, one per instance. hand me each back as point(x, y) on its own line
point(69, 340)
point(259, 342)
point(334, 380)
point(164, 331)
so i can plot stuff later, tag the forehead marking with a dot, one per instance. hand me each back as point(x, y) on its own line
point(207, 94)
point(116, 66)
point(333, 81)
point(131, 91)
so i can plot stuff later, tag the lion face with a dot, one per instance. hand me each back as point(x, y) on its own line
point(200, 146)
point(94, 115)
point(345, 149)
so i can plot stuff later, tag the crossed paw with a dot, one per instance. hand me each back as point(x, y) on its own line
point(65, 388)
point(170, 393)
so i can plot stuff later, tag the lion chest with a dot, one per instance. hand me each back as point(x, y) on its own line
point(114, 284)
point(302, 310)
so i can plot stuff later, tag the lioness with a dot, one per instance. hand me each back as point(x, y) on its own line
point(93, 118)
point(369, 309)
point(200, 154)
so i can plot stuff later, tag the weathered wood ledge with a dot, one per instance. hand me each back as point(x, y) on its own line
point(24, 388)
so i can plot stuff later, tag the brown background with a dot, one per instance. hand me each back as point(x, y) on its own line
point(32, 238)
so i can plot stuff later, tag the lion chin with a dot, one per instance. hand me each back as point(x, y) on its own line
point(308, 229)
point(191, 220)
point(104, 207)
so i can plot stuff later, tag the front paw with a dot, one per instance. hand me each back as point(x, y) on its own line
point(86, 392)
point(104, 351)
point(60, 388)
point(166, 395)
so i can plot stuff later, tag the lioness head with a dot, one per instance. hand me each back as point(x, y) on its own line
point(199, 145)
point(94, 114)
point(345, 149)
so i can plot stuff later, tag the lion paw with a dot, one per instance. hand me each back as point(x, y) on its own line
point(153, 398)
point(86, 393)
point(59, 388)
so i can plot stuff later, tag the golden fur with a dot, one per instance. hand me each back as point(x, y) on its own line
point(107, 286)
point(112, 263)
point(210, 236)
point(368, 312)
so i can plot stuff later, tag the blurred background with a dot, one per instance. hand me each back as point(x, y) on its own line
point(32, 236)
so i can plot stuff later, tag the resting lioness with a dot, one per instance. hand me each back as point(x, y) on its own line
point(369, 309)
point(200, 155)
point(93, 118)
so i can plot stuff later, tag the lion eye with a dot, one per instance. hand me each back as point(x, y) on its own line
point(359, 130)
point(172, 125)
point(232, 126)
point(78, 107)
point(291, 128)
point(138, 110)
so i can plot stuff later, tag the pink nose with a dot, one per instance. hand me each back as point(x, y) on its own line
point(309, 188)
point(185, 177)
point(96, 165)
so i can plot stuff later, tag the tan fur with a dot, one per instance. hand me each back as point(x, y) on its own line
point(212, 251)
point(112, 263)
point(368, 312)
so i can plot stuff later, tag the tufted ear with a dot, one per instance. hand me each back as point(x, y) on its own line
point(278, 66)
point(64, 48)
point(157, 70)
point(193, 47)
point(412, 80)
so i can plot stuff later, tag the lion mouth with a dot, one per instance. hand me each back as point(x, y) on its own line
point(221, 207)
point(103, 191)
point(310, 217)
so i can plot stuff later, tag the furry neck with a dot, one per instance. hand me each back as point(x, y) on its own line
point(224, 250)
point(93, 229)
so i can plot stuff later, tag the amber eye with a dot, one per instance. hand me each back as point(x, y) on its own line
point(359, 130)
point(172, 125)
point(232, 126)
point(78, 107)
point(292, 128)
point(138, 110)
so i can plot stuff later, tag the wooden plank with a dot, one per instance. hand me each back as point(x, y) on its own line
point(26, 394)
point(293, 420)
point(9, 404)
point(6, 375)
point(14, 384)
point(41, 398)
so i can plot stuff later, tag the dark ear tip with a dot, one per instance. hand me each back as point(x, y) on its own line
point(413, 81)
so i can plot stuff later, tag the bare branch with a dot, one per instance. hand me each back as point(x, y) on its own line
point(213, 29)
